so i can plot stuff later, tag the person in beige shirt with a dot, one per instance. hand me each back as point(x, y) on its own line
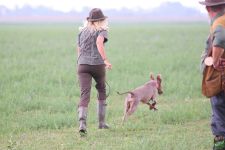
point(92, 63)
point(216, 43)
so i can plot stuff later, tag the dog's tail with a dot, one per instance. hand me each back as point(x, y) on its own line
point(125, 93)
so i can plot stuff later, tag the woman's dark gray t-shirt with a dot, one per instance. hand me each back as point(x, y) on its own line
point(89, 53)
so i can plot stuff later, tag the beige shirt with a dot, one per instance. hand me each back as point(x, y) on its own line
point(89, 53)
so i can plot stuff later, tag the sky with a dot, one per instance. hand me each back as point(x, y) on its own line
point(67, 5)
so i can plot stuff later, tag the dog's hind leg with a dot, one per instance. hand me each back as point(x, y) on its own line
point(133, 107)
point(126, 107)
point(124, 117)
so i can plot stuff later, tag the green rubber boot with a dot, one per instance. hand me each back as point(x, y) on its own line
point(101, 114)
point(82, 114)
point(219, 143)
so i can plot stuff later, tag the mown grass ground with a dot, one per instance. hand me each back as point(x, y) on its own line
point(39, 91)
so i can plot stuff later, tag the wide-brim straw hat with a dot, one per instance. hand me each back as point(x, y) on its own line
point(96, 14)
point(212, 2)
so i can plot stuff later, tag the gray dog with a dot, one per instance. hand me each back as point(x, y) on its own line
point(146, 94)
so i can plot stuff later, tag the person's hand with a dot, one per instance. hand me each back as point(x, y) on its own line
point(108, 65)
point(220, 66)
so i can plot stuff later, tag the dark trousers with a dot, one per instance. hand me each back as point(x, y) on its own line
point(218, 114)
point(85, 75)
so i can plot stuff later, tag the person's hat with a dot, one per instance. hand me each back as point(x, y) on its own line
point(212, 2)
point(96, 14)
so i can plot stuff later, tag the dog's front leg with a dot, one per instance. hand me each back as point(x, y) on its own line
point(152, 104)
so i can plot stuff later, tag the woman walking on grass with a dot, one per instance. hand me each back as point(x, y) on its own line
point(92, 61)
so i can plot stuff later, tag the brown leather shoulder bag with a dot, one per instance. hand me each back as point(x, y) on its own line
point(213, 81)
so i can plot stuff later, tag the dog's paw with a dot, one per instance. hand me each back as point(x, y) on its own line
point(155, 109)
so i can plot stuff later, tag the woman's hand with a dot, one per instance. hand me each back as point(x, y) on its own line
point(108, 65)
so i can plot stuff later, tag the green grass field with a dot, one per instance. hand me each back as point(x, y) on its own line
point(39, 90)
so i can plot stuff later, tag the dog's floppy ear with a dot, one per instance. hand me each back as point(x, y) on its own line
point(159, 77)
point(151, 76)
